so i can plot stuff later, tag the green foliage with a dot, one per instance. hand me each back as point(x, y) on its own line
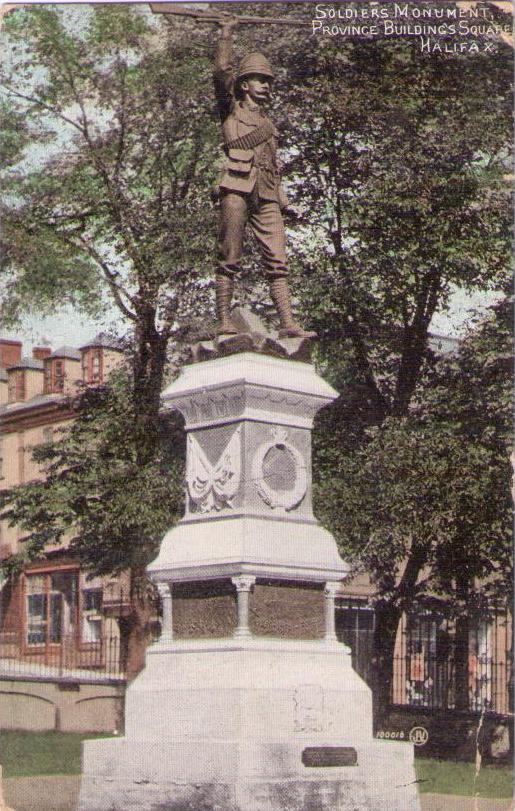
point(106, 197)
point(397, 159)
point(424, 501)
point(95, 494)
point(400, 169)
point(112, 185)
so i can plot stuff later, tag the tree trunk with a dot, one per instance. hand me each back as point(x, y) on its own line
point(148, 370)
point(461, 663)
point(385, 634)
point(149, 364)
point(461, 649)
point(136, 626)
point(388, 615)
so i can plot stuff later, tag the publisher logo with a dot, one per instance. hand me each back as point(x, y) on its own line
point(419, 736)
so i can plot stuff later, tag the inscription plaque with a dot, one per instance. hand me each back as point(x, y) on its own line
point(329, 756)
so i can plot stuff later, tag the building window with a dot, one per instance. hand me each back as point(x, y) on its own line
point(51, 606)
point(91, 629)
point(54, 376)
point(429, 661)
point(58, 377)
point(421, 660)
point(16, 386)
point(47, 435)
point(47, 385)
point(480, 667)
point(21, 458)
point(92, 366)
point(36, 611)
point(92, 600)
point(96, 364)
point(438, 668)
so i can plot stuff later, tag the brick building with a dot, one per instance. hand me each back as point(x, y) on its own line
point(58, 640)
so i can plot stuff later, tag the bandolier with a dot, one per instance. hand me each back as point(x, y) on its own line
point(249, 190)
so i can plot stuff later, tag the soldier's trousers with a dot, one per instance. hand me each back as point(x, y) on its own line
point(266, 222)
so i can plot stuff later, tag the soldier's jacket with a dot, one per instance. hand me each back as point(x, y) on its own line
point(247, 168)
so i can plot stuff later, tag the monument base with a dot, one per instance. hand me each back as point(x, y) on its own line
point(302, 794)
point(249, 724)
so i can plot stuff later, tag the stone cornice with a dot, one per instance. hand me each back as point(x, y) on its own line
point(34, 416)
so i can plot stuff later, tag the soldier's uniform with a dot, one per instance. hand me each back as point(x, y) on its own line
point(250, 189)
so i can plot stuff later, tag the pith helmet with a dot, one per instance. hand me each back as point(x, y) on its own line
point(254, 63)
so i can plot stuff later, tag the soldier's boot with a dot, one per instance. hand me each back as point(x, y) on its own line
point(289, 328)
point(224, 291)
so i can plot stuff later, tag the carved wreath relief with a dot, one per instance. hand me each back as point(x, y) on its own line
point(212, 487)
point(279, 472)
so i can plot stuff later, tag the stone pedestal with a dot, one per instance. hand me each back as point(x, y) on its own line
point(225, 716)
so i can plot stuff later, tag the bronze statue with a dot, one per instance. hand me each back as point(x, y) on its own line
point(250, 188)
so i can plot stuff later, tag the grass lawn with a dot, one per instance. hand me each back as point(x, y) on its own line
point(23, 754)
point(446, 777)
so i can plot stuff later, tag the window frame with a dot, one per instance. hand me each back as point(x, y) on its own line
point(93, 365)
point(54, 376)
point(58, 375)
point(16, 386)
point(46, 573)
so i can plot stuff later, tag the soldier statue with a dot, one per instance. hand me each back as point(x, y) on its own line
point(250, 188)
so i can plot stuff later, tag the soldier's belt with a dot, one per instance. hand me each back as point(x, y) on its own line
point(254, 138)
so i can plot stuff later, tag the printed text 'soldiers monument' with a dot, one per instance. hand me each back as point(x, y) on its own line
point(248, 702)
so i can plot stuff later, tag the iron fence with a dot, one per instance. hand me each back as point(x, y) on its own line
point(70, 659)
point(438, 663)
point(355, 625)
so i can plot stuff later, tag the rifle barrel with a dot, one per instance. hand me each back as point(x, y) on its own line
point(209, 17)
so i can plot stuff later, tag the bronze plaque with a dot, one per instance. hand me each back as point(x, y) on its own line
point(330, 756)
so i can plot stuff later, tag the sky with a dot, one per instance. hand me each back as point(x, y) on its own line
point(68, 327)
point(72, 328)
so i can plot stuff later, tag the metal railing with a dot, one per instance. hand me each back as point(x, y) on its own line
point(440, 666)
point(435, 665)
point(70, 659)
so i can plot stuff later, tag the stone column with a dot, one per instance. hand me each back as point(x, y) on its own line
point(330, 619)
point(165, 592)
point(243, 585)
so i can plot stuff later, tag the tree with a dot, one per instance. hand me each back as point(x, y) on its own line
point(403, 160)
point(106, 199)
point(401, 167)
point(424, 504)
point(95, 495)
point(115, 204)
point(398, 167)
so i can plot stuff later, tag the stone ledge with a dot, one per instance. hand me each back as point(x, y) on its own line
point(266, 549)
point(250, 643)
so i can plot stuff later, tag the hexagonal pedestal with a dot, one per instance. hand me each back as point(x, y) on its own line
point(225, 725)
point(242, 722)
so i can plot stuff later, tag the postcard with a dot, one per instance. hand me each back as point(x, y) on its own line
point(255, 404)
